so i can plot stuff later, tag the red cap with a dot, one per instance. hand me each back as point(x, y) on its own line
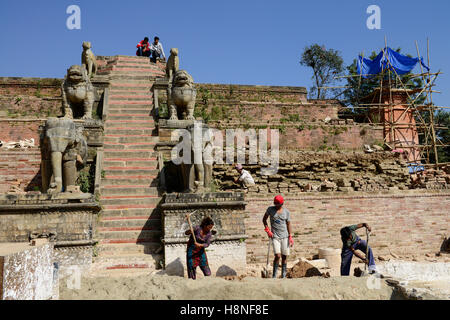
point(278, 200)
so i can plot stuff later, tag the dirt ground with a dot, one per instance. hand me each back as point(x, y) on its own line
point(162, 287)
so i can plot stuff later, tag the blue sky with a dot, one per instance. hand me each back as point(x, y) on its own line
point(241, 42)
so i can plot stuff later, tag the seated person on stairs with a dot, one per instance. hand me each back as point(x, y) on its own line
point(143, 48)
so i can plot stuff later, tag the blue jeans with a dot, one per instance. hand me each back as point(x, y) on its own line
point(347, 255)
point(155, 55)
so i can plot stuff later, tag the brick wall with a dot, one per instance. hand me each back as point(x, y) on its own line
point(407, 223)
point(30, 97)
point(20, 167)
point(260, 104)
point(16, 130)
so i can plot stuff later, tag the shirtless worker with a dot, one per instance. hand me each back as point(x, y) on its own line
point(280, 223)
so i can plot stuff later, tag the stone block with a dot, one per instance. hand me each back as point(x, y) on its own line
point(27, 273)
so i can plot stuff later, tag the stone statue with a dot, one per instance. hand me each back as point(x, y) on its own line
point(173, 65)
point(62, 146)
point(77, 93)
point(198, 177)
point(182, 96)
point(88, 59)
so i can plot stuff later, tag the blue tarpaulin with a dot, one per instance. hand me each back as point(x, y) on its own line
point(415, 167)
point(388, 59)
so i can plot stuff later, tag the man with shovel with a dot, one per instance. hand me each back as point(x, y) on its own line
point(350, 243)
point(280, 223)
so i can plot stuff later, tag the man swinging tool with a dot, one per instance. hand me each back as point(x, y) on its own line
point(350, 243)
point(199, 240)
point(280, 223)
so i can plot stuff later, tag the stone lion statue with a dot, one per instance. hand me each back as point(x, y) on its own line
point(173, 64)
point(88, 59)
point(77, 93)
point(182, 96)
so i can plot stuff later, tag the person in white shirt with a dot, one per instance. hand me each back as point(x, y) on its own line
point(157, 50)
point(245, 178)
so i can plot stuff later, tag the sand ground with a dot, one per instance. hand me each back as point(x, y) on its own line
point(162, 287)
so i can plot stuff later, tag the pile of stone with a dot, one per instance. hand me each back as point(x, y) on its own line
point(308, 171)
point(432, 179)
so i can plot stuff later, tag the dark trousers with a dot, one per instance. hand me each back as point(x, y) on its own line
point(192, 272)
point(155, 55)
point(141, 53)
point(347, 255)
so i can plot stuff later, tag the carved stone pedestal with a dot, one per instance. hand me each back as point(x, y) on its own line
point(227, 252)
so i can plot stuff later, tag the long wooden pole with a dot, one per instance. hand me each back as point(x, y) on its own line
point(188, 216)
point(436, 157)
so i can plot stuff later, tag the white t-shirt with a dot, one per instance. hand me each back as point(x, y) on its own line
point(246, 178)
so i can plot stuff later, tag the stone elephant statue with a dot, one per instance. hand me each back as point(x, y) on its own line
point(197, 177)
point(63, 146)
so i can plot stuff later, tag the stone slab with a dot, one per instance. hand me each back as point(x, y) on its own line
point(27, 272)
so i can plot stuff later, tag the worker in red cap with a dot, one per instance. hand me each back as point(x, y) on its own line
point(280, 233)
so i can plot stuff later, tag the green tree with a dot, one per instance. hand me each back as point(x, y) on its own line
point(442, 121)
point(326, 65)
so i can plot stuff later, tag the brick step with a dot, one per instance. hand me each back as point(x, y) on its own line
point(131, 131)
point(129, 206)
point(131, 171)
point(127, 103)
point(128, 69)
point(132, 64)
point(124, 163)
point(131, 91)
point(145, 61)
point(128, 116)
point(120, 265)
point(137, 153)
point(127, 85)
point(129, 225)
point(132, 200)
point(127, 181)
point(128, 145)
point(116, 250)
point(131, 110)
point(126, 77)
point(130, 138)
point(151, 164)
point(125, 58)
point(139, 86)
point(130, 124)
point(110, 190)
point(131, 101)
point(130, 212)
point(130, 236)
point(137, 257)
point(128, 96)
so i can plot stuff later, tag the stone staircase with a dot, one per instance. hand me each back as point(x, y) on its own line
point(129, 229)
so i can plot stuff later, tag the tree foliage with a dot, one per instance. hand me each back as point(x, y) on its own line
point(326, 65)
